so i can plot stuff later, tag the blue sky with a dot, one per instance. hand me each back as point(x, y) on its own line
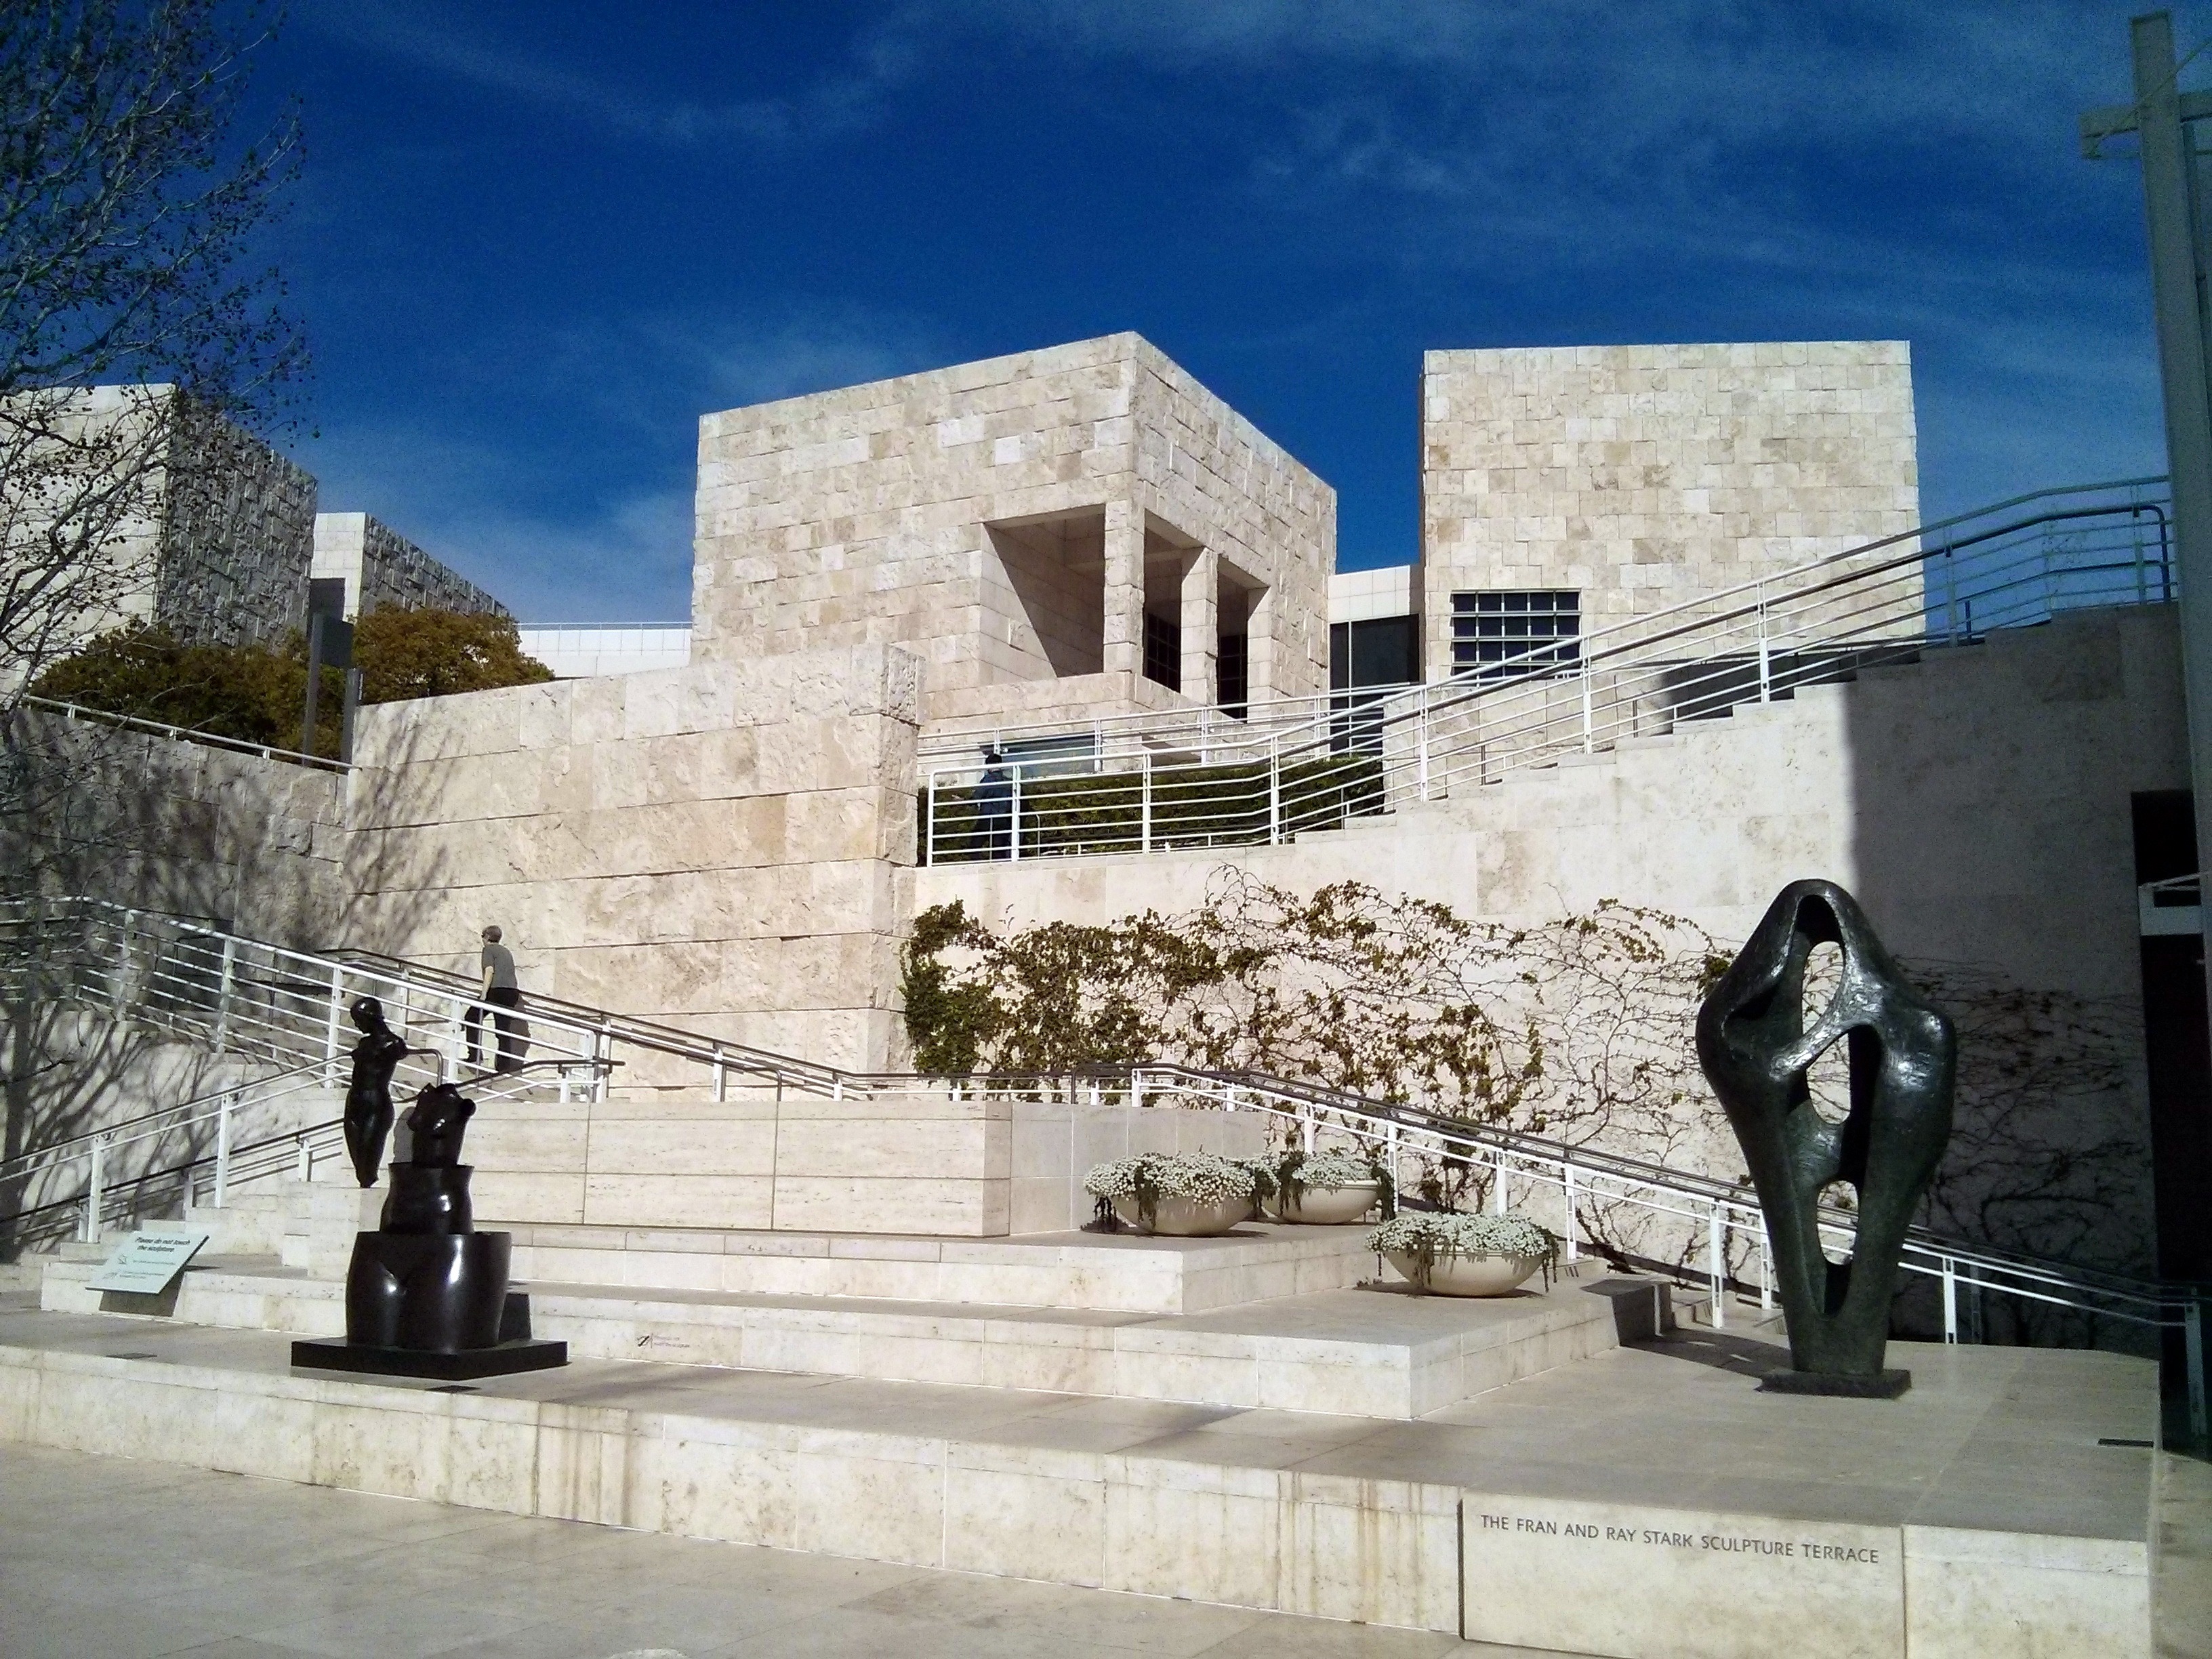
point(534, 242)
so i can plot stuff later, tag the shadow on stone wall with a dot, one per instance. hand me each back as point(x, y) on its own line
point(1992, 845)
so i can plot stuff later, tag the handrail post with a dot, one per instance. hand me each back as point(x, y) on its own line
point(722, 1076)
point(1590, 733)
point(1716, 1265)
point(1766, 658)
point(222, 994)
point(1496, 1204)
point(1274, 794)
point(331, 1027)
point(1950, 1299)
point(1567, 1234)
point(929, 818)
point(1145, 800)
point(1765, 1271)
point(88, 1229)
point(223, 1149)
point(303, 1158)
point(1421, 743)
point(603, 1043)
point(1014, 823)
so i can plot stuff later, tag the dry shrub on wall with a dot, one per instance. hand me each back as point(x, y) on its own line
point(1578, 1029)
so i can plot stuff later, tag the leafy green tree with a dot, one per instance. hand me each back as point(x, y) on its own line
point(428, 653)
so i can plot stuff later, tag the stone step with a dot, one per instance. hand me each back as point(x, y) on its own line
point(1607, 1507)
point(1376, 1352)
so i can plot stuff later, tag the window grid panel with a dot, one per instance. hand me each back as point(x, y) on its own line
point(1491, 629)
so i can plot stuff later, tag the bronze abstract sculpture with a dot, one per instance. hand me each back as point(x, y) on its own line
point(427, 1294)
point(368, 1096)
point(1756, 1050)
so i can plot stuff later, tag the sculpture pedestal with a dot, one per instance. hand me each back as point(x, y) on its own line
point(331, 1353)
point(1884, 1385)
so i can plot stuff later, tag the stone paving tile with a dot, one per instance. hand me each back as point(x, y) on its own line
point(387, 1579)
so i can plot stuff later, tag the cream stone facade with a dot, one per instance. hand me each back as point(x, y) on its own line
point(1643, 476)
point(381, 567)
point(1018, 521)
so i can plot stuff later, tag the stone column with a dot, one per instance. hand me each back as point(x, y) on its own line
point(1201, 625)
point(1260, 671)
point(1124, 641)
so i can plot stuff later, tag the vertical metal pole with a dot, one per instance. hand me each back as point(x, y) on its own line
point(331, 1027)
point(1421, 740)
point(1950, 1299)
point(1716, 1260)
point(603, 1043)
point(89, 1229)
point(1950, 595)
point(222, 995)
point(1274, 794)
point(1568, 1236)
point(1765, 1271)
point(1765, 659)
point(303, 1162)
point(223, 1149)
point(929, 818)
point(1590, 737)
point(2176, 271)
point(1497, 1185)
point(1145, 801)
point(1014, 824)
point(721, 1079)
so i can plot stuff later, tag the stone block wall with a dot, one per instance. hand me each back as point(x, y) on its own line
point(97, 809)
point(381, 567)
point(866, 515)
point(1645, 476)
point(724, 845)
point(238, 533)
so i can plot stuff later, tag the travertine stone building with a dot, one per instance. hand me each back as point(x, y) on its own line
point(1073, 529)
point(1565, 488)
point(381, 567)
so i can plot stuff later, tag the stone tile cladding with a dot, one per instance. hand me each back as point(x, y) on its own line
point(238, 536)
point(858, 516)
point(1645, 476)
point(385, 568)
point(725, 844)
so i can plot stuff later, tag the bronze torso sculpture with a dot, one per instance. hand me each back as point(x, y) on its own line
point(1756, 1050)
point(368, 1096)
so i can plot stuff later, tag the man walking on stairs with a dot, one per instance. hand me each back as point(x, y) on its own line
point(503, 993)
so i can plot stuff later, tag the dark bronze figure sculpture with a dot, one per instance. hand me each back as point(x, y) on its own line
point(427, 1294)
point(1756, 1050)
point(368, 1097)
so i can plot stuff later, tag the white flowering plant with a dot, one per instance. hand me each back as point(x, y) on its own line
point(1294, 1174)
point(1147, 1177)
point(1428, 1236)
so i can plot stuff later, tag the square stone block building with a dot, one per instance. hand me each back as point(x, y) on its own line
point(1076, 530)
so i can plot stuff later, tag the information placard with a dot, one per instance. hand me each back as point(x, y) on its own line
point(147, 1260)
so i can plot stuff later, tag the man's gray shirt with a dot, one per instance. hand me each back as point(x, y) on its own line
point(499, 961)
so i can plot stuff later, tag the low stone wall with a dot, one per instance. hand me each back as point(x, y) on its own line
point(915, 1163)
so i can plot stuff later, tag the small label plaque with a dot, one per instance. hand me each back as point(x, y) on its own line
point(146, 1262)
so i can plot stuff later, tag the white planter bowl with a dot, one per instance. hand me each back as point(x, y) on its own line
point(1186, 1217)
point(1331, 1206)
point(1472, 1275)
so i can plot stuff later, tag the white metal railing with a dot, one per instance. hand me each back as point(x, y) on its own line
point(73, 712)
point(243, 995)
point(1199, 778)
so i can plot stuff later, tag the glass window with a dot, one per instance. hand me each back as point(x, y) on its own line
point(1501, 634)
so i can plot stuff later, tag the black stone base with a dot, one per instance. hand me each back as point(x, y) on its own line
point(1886, 1386)
point(331, 1353)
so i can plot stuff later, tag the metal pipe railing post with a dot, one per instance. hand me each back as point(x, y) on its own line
point(1421, 743)
point(2192, 1342)
point(88, 1230)
point(1145, 801)
point(1014, 823)
point(222, 1150)
point(929, 818)
point(331, 1027)
point(1716, 1265)
point(1765, 659)
point(1274, 794)
point(1765, 1271)
point(222, 994)
point(1950, 1299)
point(1567, 1191)
point(1590, 734)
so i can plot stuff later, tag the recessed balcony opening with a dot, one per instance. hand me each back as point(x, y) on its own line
point(1237, 602)
point(1168, 560)
point(1051, 589)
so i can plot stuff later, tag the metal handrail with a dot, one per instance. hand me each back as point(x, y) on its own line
point(76, 711)
point(1367, 751)
point(62, 1149)
point(1729, 1214)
